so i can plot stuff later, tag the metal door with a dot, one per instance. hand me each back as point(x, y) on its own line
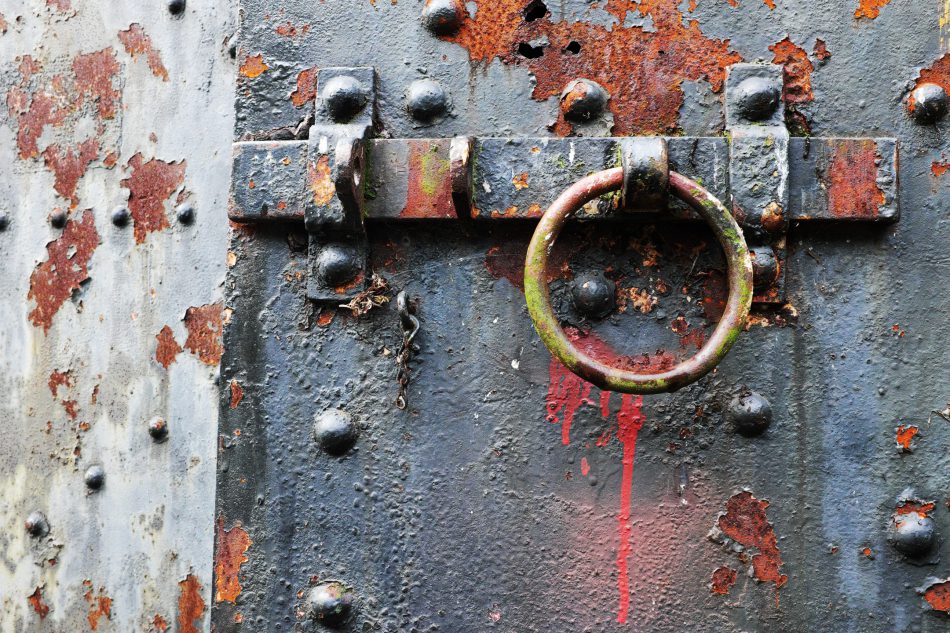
point(398, 451)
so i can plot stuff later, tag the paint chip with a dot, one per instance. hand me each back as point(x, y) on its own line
point(253, 66)
point(137, 43)
point(205, 328)
point(230, 554)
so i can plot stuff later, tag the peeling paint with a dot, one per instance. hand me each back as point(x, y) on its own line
point(69, 165)
point(253, 66)
point(100, 605)
point(745, 522)
point(168, 348)
point(205, 327)
point(797, 68)
point(237, 394)
point(36, 602)
point(306, 90)
point(137, 42)
point(723, 579)
point(870, 8)
point(938, 73)
point(191, 606)
point(937, 595)
point(905, 436)
point(230, 554)
point(150, 184)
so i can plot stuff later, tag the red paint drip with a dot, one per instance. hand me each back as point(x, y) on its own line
point(566, 393)
point(629, 421)
point(585, 466)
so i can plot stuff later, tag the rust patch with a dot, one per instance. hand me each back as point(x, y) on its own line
point(306, 89)
point(237, 394)
point(429, 194)
point(159, 623)
point(870, 8)
point(723, 579)
point(59, 379)
point(939, 168)
point(168, 348)
point(938, 73)
point(100, 605)
point(230, 554)
point(904, 436)
point(60, 5)
point(95, 73)
point(253, 66)
point(69, 165)
point(913, 506)
point(745, 523)
point(520, 181)
point(937, 595)
point(137, 43)
point(853, 191)
point(821, 51)
point(325, 318)
point(205, 327)
point(191, 606)
point(797, 70)
point(3, 24)
point(321, 181)
point(36, 601)
point(65, 269)
point(643, 71)
point(289, 29)
point(151, 183)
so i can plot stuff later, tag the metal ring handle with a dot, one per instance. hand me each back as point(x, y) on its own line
point(610, 378)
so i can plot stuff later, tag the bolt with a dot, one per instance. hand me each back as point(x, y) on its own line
point(95, 477)
point(443, 17)
point(912, 534)
point(185, 212)
point(426, 99)
point(335, 431)
point(330, 603)
point(36, 524)
point(345, 97)
point(928, 103)
point(583, 99)
point(121, 216)
point(593, 295)
point(757, 98)
point(765, 267)
point(749, 413)
point(158, 429)
point(176, 7)
point(4, 221)
point(337, 265)
point(57, 219)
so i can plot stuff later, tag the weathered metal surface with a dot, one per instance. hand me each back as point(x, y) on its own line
point(112, 322)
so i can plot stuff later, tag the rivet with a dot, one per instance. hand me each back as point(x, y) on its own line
point(593, 295)
point(36, 524)
point(4, 221)
point(912, 534)
point(337, 265)
point(330, 603)
point(765, 268)
point(749, 413)
point(121, 216)
point(757, 98)
point(335, 431)
point(443, 17)
point(158, 429)
point(583, 100)
point(426, 99)
point(185, 212)
point(176, 7)
point(57, 219)
point(95, 477)
point(928, 103)
point(345, 97)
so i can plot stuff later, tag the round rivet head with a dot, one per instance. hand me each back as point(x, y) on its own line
point(757, 98)
point(335, 431)
point(158, 429)
point(337, 265)
point(426, 99)
point(330, 603)
point(57, 219)
point(36, 524)
point(912, 533)
point(121, 216)
point(185, 213)
point(4, 221)
point(345, 97)
point(583, 100)
point(95, 477)
point(176, 7)
point(593, 295)
point(765, 267)
point(928, 103)
point(443, 17)
point(749, 413)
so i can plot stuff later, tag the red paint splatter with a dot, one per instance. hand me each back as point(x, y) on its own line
point(585, 465)
point(630, 420)
point(137, 43)
point(150, 185)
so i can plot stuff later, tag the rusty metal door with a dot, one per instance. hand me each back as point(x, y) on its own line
point(398, 449)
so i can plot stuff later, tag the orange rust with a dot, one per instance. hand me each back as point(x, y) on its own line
point(289, 29)
point(159, 623)
point(904, 437)
point(745, 522)
point(920, 508)
point(253, 66)
point(100, 606)
point(325, 317)
point(938, 73)
point(870, 8)
point(69, 165)
point(520, 181)
point(230, 554)
point(797, 70)
point(321, 181)
point(695, 337)
point(60, 5)
point(66, 268)
point(939, 168)
point(306, 89)
point(36, 601)
point(937, 596)
point(429, 194)
point(867, 552)
point(679, 325)
point(640, 299)
point(191, 606)
point(167, 348)
point(95, 73)
point(59, 379)
point(205, 328)
point(853, 190)
point(723, 579)
point(821, 51)
point(237, 394)
point(72, 408)
point(110, 160)
point(137, 43)
point(773, 217)
point(642, 71)
point(151, 183)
